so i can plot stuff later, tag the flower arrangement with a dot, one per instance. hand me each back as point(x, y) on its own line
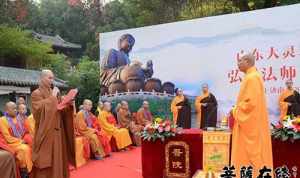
point(159, 129)
point(288, 129)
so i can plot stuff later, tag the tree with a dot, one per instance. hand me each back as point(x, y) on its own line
point(85, 77)
point(16, 44)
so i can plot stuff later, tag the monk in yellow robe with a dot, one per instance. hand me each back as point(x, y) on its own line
point(126, 121)
point(30, 124)
point(206, 109)
point(251, 137)
point(174, 108)
point(99, 108)
point(144, 116)
point(121, 135)
point(22, 111)
point(13, 131)
point(84, 123)
point(289, 101)
point(54, 140)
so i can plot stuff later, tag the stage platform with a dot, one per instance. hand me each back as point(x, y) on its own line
point(153, 153)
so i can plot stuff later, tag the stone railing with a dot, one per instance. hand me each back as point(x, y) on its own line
point(142, 93)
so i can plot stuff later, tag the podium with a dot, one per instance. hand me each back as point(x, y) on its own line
point(216, 150)
point(216, 153)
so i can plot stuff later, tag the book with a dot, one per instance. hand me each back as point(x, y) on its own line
point(67, 99)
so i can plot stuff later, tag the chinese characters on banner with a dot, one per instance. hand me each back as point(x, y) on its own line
point(270, 73)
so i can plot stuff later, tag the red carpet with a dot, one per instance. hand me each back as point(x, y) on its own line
point(121, 164)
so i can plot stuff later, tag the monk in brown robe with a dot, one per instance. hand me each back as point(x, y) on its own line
point(144, 116)
point(53, 143)
point(251, 137)
point(289, 101)
point(206, 109)
point(126, 121)
point(7, 160)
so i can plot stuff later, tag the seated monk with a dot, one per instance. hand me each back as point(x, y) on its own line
point(99, 108)
point(8, 166)
point(28, 123)
point(126, 121)
point(86, 124)
point(13, 131)
point(144, 116)
point(121, 135)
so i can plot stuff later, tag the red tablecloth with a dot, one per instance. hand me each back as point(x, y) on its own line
point(286, 153)
point(153, 153)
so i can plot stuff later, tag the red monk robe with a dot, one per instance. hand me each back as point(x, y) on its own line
point(54, 141)
point(86, 122)
point(28, 136)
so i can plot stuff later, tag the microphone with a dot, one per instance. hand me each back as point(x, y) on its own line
point(52, 87)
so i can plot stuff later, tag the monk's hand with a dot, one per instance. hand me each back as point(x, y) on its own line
point(55, 92)
point(179, 107)
point(204, 104)
point(289, 104)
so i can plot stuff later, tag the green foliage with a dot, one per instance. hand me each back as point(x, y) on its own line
point(85, 77)
point(60, 66)
point(159, 129)
point(17, 44)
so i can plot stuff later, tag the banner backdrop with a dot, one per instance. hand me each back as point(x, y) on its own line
point(205, 50)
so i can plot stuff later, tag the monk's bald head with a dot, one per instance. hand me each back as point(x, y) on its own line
point(47, 78)
point(204, 87)
point(11, 109)
point(246, 62)
point(107, 106)
point(46, 72)
point(124, 104)
point(289, 84)
point(22, 109)
point(100, 104)
point(145, 104)
point(87, 105)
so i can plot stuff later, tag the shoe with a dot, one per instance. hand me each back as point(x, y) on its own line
point(24, 173)
point(98, 157)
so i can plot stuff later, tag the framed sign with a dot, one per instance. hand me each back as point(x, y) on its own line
point(177, 160)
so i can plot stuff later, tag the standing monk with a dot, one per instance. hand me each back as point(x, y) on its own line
point(184, 114)
point(53, 143)
point(251, 138)
point(126, 121)
point(206, 108)
point(289, 101)
point(13, 131)
point(144, 116)
point(177, 99)
point(86, 124)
